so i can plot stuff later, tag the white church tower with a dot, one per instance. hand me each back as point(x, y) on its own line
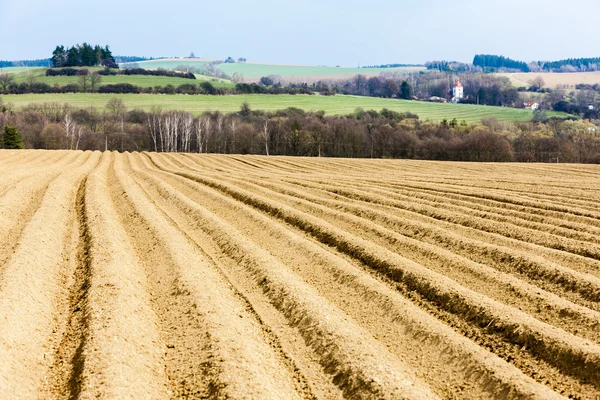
point(457, 92)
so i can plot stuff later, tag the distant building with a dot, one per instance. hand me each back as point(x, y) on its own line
point(437, 99)
point(591, 107)
point(531, 105)
point(457, 92)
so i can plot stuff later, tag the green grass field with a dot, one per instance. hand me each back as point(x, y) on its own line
point(253, 71)
point(335, 105)
point(138, 80)
point(17, 69)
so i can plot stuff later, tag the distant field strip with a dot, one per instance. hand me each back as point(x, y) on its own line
point(152, 275)
point(554, 79)
point(254, 71)
point(332, 105)
point(137, 80)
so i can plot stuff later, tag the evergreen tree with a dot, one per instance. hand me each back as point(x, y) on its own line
point(59, 56)
point(72, 57)
point(405, 90)
point(11, 138)
point(87, 56)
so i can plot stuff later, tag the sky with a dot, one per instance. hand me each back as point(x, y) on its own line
point(311, 32)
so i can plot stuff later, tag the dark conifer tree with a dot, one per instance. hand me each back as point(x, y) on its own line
point(11, 138)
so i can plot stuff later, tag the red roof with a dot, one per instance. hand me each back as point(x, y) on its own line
point(458, 84)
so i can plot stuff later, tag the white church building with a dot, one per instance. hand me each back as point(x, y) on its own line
point(457, 92)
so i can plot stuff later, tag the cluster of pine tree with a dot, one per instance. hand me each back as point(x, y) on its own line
point(581, 64)
point(491, 62)
point(84, 55)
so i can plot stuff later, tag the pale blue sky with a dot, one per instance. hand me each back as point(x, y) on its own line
point(306, 32)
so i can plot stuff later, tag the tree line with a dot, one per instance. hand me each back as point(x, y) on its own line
point(84, 55)
point(478, 88)
point(26, 63)
point(491, 62)
point(294, 132)
point(392, 65)
point(495, 63)
point(571, 65)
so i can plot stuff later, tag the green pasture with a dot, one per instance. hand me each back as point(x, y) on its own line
point(252, 71)
point(332, 105)
point(13, 70)
point(138, 80)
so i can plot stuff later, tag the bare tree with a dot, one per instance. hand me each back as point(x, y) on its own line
point(203, 133)
point(538, 82)
point(78, 132)
point(5, 80)
point(84, 83)
point(219, 131)
point(171, 129)
point(116, 108)
point(360, 83)
point(186, 132)
point(31, 81)
point(95, 81)
point(73, 132)
point(265, 135)
point(237, 77)
point(199, 132)
point(154, 123)
point(233, 123)
point(68, 125)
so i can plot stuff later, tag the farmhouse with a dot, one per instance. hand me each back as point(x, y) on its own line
point(457, 92)
point(531, 105)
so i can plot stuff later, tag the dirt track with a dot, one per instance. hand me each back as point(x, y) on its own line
point(161, 276)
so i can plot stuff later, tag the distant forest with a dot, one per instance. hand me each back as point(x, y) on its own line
point(393, 65)
point(47, 62)
point(130, 59)
point(494, 63)
point(491, 62)
point(571, 65)
point(26, 63)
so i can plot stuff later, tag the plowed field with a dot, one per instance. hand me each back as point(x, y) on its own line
point(156, 276)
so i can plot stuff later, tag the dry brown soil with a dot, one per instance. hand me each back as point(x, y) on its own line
point(157, 276)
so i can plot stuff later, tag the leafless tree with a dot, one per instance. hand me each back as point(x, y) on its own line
point(73, 132)
point(265, 135)
point(186, 132)
point(116, 108)
point(237, 77)
point(537, 82)
point(84, 83)
point(78, 133)
point(31, 81)
point(68, 125)
point(203, 133)
point(233, 124)
point(154, 123)
point(5, 80)
point(199, 133)
point(95, 81)
point(219, 131)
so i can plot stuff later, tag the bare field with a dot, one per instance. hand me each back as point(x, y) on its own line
point(161, 276)
point(553, 79)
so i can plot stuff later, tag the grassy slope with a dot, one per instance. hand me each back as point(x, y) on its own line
point(331, 105)
point(253, 71)
point(17, 69)
point(138, 80)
